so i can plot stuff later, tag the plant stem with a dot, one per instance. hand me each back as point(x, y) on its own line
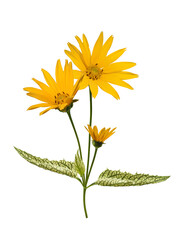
point(84, 201)
point(95, 152)
point(90, 123)
point(86, 181)
point(70, 118)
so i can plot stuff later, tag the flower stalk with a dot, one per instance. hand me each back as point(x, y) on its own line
point(72, 123)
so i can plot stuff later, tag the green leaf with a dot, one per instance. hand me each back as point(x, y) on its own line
point(61, 167)
point(120, 179)
point(79, 164)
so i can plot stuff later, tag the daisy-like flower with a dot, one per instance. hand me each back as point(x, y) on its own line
point(57, 94)
point(98, 68)
point(99, 138)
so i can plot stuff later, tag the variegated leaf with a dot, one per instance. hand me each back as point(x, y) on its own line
point(61, 167)
point(79, 164)
point(120, 179)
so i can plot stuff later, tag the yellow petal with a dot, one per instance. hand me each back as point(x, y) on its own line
point(47, 109)
point(44, 87)
point(105, 49)
point(106, 135)
point(114, 79)
point(39, 105)
point(118, 66)
point(77, 85)
point(85, 53)
point(101, 133)
point(97, 49)
point(77, 74)
point(50, 81)
point(71, 78)
point(108, 88)
point(95, 131)
point(94, 88)
point(78, 63)
point(77, 54)
point(40, 97)
point(86, 45)
point(84, 83)
point(59, 76)
point(112, 57)
point(34, 90)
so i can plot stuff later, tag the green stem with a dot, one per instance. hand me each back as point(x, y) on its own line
point(95, 152)
point(90, 123)
point(92, 184)
point(70, 118)
point(86, 181)
point(84, 202)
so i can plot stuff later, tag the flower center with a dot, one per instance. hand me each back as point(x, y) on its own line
point(94, 72)
point(61, 98)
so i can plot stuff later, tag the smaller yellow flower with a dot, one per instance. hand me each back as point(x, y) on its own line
point(99, 138)
point(57, 94)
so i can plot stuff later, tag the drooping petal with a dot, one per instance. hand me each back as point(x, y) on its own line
point(94, 88)
point(108, 88)
point(47, 109)
point(118, 66)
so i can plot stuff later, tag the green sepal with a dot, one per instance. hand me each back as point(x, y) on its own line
point(61, 167)
point(120, 179)
point(79, 164)
point(97, 144)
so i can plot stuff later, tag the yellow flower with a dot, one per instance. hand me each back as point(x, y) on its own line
point(57, 94)
point(99, 138)
point(99, 68)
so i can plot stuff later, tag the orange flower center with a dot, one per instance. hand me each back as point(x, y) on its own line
point(94, 72)
point(61, 98)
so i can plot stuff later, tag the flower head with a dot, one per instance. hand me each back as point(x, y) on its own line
point(99, 138)
point(57, 94)
point(99, 68)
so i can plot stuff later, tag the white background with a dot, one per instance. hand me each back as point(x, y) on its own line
point(38, 204)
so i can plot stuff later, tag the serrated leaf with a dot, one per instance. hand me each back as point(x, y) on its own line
point(79, 164)
point(61, 167)
point(120, 179)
